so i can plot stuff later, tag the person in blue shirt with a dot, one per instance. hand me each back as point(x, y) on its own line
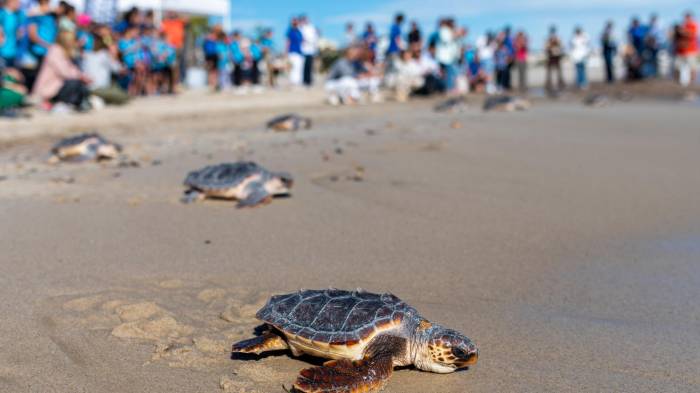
point(210, 46)
point(163, 62)
point(510, 48)
point(130, 48)
point(296, 58)
point(395, 42)
point(42, 30)
point(12, 21)
point(369, 37)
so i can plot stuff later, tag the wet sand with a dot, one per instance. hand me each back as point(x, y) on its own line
point(563, 240)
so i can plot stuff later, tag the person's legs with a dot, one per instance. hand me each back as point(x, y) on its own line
point(522, 75)
point(255, 74)
point(308, 70)
point(609, 72)
point(73, 92)
point(507, 84)
point(237, 75)
point(684, 70)
point(560, 76)
point(548, 77)
point(296, 70)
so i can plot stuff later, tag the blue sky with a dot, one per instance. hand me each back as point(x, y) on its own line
point(479, 15)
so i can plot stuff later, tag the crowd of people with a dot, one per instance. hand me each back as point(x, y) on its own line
point(447, 62)
point(68, 62)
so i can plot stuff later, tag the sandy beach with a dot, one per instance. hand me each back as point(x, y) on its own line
point(563, 240)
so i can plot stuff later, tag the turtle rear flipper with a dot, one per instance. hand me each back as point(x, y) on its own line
point(267, 342)
point(367, 375)
point(256, 197)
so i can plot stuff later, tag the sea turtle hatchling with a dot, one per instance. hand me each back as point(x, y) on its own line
point(506, 103)
point(84, 147)
point(247, 182)
point(364, 334)
point(289, 122)
point(451, 105)
point(596, 100)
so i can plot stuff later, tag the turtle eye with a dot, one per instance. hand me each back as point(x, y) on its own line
point(460, 353)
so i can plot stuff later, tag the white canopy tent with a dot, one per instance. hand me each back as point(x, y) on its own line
point(220, 8)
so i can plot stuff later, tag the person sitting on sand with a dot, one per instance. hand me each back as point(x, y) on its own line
point(342, 85)
point(12, 91)
point(59, 80)
point(409, 75)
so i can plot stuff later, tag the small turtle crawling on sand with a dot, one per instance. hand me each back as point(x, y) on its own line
point(247, 182)
point(365, 334)
point(596, 100)
point(84, 147)
point(289, 122)
point(506, 104)
point(451, 105)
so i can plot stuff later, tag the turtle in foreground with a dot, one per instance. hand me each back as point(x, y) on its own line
point(289, 122)
point(596, 100)
point(451, 105)
point(247, 182)
point(506, 104)
point(84, 147)
point(364, 334)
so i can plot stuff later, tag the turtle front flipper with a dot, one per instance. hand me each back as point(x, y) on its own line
point(268, 341)
point(345, 376)
point(257, 196)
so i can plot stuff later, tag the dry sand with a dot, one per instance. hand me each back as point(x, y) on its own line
point(564, 240)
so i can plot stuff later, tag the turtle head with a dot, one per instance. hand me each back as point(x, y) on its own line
point(281, 183)
point(444, 350)
point(108, 150)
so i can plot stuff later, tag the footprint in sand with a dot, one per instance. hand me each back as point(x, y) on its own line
point(188, 325)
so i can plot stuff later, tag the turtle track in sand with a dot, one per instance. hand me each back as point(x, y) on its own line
point(177, 324)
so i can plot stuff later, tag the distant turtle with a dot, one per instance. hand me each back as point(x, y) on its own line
point(596, 100)
point(84, 147)
point(365, 334)
point(453, 104)
point(247, 182)
point(506, 104)
point(289, 122)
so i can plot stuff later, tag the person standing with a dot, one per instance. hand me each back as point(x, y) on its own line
point(42, 29)
point(309, 48)
point(11, 23)
point(349, 35)
point(414, 38)
point(447, 53)
point(521, 47)
point(485, 50)
point(508, 43)
point(652, 43)
point(395, 41)
point(174, 27)
point(609, 47)
point(296, 59)
point(687, 50)
point(555, 52)
point(580, 50)
point(501, 61)
point(369, 38)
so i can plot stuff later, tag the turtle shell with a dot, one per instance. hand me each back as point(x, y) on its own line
point(222, 176)
point(289, 122)
point(336, 317)
point(75, 140)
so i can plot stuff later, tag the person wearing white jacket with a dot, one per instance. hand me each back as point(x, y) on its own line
point(580, 51)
